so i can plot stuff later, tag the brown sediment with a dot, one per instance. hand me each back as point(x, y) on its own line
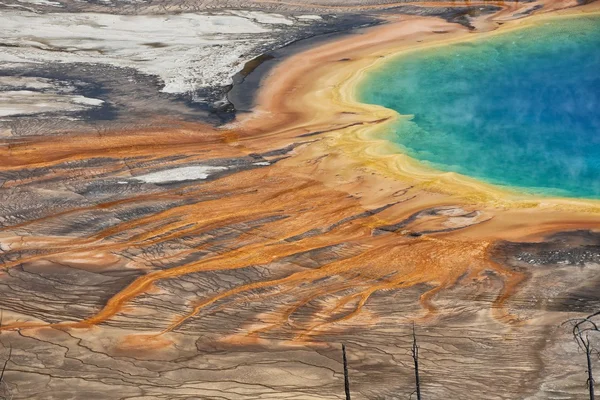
point(329, 192)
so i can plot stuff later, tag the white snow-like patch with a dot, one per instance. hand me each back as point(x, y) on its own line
point(25, 82)
point(42, 2)
point(187, 51)
point(86, 101)
point(309, 17)
point(191, 173)
point(18, 6)
point(261, 163)
point(264, 18)
point(27, 102)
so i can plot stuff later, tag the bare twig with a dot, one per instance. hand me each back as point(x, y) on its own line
point(4, 389)
point(2, 382)
point(415, 356)
point(582, 328)
point(5, 364)
point(346, 378)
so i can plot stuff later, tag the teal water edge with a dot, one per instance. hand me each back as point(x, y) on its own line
point(519, 109)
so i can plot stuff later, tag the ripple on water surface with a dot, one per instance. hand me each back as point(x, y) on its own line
point(520, 109)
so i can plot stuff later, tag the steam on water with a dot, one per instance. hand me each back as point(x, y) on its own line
point(520, 109)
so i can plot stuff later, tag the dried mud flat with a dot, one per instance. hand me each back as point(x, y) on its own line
point(147, 254)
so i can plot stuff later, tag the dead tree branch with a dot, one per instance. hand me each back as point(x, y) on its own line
point(582, 329)
point(346, 377)
point(4, 389)
point(415, 356)
point(5, 364)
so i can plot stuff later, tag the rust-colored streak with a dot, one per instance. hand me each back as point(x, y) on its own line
point(314, 233)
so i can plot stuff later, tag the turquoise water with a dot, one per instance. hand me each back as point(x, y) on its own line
point(521, 109)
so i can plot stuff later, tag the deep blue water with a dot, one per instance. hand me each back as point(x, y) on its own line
point(521, 109)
